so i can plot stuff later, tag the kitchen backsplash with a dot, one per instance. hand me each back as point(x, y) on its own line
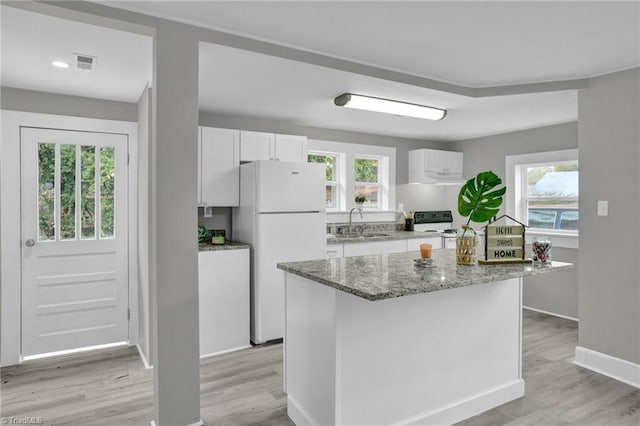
point(220, 219)
point(363, 227)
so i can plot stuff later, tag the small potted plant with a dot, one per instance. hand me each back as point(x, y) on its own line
point(360, 200)
point(479, 201)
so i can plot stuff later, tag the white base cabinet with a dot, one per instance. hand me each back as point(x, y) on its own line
point(223, 281)
point(414, 243)
point(427, 359)
point(375, 247)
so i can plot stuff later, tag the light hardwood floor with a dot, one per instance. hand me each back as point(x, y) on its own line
point(245, 388)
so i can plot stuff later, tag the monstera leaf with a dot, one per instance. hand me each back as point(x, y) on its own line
point(478, 199)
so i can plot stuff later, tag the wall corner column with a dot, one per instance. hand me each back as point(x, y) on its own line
point(173, 246)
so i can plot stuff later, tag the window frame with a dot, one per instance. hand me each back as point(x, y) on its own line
point(523, 208)
point(516, 199)
point(379, 184)
point(336, 182)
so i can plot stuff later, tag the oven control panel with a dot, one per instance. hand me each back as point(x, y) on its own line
point(435, 216)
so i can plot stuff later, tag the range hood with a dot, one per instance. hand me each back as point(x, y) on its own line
point(431, 178)
point(435, 167)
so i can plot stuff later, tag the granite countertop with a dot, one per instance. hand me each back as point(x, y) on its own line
point(388, 236)
point(387, 276)
point(228, 245)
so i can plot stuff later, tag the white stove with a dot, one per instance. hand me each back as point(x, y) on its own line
point(437, 221)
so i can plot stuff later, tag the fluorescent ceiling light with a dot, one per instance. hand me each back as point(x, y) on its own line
point(60, 64)
point(368, 103)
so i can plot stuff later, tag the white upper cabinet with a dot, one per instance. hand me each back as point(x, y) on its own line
point(291, 148)
point(435, 166)
point(256, 146)
point(218, 167)
point(268, 146)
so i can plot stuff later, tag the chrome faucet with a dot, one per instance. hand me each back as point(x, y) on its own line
point(351, 213)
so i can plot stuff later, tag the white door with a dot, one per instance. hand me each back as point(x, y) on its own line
point(74, 239)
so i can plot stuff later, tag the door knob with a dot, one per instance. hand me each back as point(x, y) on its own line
point(30, 242)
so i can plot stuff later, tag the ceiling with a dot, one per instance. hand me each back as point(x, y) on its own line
point(31, 41)
point(471, 44)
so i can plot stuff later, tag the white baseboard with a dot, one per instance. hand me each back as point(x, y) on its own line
point(450, 414)
point(469, 407)
point(299, 416)
point(145, 361)
point(550, 313)
point(198, 423)
point(616, 368)
point(224, 352)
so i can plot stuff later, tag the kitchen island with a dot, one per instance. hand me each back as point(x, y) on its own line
point(373, 340)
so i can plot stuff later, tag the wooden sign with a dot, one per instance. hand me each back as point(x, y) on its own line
point(504, 244)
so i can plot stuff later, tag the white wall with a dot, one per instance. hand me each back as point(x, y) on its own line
point(10, 244)
point(609, 140)
point(73, 106)
point(554, 293)
point(143, 215)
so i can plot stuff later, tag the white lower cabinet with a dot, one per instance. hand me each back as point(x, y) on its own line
point(380, 247)
point(375, 247)
point(223, 282)
point(414, 243)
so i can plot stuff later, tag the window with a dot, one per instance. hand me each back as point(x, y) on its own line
point(543, 193)
point(550, 195)
point(330, 161)
point(353, 169)
point(367, 180)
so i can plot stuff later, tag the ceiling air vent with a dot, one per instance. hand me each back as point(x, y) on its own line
point(85, 62)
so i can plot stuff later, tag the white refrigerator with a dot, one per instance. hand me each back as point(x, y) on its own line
point(282, 216)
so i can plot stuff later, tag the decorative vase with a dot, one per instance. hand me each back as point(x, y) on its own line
point(541, 250)
point(360, 206)
point(466, 246)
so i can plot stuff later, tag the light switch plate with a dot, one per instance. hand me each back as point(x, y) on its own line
point(603, 208)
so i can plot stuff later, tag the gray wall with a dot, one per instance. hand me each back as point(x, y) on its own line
point(144, 306)
point(556, 293)
point(609, 136)
point(402, 145)
point(76, 106)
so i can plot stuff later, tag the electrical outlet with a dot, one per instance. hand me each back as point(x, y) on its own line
point(603, 208)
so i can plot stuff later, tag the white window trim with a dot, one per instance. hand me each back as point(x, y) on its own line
point(348, 152)
point(514, 195)
point(383, 189)
point(337, 176)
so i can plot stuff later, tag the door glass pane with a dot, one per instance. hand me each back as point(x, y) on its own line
point(88, 191)
point(46, 191)
point(107, 184)
point(67, 192)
